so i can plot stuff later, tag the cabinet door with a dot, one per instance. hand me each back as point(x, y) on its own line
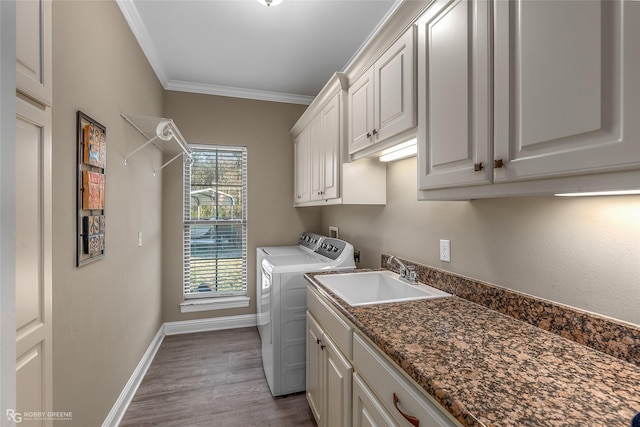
point(338, 386)
point(566, 87)
point(302, 145)
point(315, 370)
point(367, 411)
point(33, 49)
point(330, 158)
point(453, 94)
point(394, 93)
point(317, 154)
point(361, 120)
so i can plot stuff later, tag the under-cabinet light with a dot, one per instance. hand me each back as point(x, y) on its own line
point(600, 193)
point(270, 2)
point(400, 151)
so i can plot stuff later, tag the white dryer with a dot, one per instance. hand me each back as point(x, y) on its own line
point(283, 305)
point(307, 244)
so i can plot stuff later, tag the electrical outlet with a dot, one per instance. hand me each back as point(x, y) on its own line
point(445, 250)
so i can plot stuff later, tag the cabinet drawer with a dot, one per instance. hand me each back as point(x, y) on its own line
point(367, 410)
point(385, 379)
point(341, 332)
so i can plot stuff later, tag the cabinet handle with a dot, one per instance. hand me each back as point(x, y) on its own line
point(318, 340)
point(413, 420)
point(368, 135)
point(375, 132)
point(478, 167)
point(498, 164)
point(322, 347)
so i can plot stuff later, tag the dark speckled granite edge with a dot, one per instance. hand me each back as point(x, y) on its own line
point(615, 338)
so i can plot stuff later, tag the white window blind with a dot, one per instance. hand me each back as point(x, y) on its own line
point(215, 222)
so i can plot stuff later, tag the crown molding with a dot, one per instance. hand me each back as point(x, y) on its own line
point(392, 24)
point(235, 92)
point(383, 22)
point(131, 15)
point(337, 83)
point(399, 19)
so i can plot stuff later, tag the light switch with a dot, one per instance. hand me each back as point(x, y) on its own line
point(139, 239)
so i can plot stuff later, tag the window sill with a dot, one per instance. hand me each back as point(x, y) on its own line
point(210, 304)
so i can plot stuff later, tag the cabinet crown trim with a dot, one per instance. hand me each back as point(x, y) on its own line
point(338, 82)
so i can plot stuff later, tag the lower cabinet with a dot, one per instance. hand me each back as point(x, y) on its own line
point(328, 378)
point(351, 382)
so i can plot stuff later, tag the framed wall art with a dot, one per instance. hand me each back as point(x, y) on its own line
point(91, 160)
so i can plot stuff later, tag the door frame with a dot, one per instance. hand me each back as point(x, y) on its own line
point(7, 210)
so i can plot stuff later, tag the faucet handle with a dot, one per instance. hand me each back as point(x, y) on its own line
point(411, 274)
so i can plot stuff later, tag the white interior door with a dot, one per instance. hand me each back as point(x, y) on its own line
point(33, 262)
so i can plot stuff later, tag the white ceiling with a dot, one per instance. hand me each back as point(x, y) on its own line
point(241, 48)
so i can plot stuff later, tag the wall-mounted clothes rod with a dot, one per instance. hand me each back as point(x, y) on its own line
point(163, 131)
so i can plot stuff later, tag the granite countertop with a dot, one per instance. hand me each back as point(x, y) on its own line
point(488, 369)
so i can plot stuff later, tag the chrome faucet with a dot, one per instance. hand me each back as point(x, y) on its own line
point(407, 273)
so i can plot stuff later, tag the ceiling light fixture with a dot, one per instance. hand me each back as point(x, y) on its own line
point(400, 151)
point(269, 3)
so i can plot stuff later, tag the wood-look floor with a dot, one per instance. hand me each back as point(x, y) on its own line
point(212, 379)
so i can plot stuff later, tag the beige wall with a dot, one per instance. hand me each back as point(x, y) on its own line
point(263, 127)
point(584, 252)
point(106, 313)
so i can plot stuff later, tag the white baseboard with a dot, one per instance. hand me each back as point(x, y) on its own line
point(212, 324)
point(169, 328)
point(122, 403)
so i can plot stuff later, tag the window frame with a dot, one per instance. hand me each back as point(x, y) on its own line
point(195, 301)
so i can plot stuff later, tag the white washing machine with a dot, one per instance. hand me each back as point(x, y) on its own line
point(283, 306)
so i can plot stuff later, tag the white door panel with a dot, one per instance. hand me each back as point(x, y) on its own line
point(33, 259)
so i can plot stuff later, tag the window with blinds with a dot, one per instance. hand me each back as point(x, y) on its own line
point(215, 222)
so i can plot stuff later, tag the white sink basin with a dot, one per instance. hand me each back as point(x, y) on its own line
point(376, 287)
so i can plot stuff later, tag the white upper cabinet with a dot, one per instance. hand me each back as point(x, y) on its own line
point(361, 112)
point(556, 111)
point(382, 101)
point(394, 92)
point(322, 176)
point(325, 158)
point(302, 145)
point(567, 98)
point(454, 83)
point(33, 49)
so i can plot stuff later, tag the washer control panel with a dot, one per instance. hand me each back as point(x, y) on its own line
point(331, 248)
point(310, 240)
